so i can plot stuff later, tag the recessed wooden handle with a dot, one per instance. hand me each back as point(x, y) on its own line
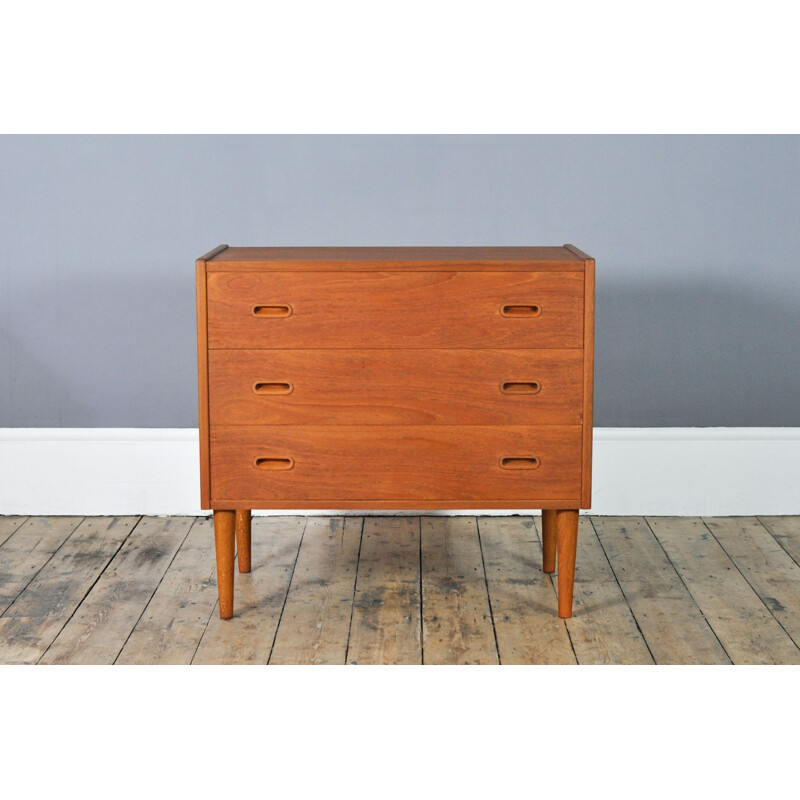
point(520, 387)
point(520, 462)
point(277, 310)
point(273, 387)
point(273, 463)
point(528, 310)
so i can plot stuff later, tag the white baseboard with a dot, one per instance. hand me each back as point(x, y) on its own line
point(658, 471)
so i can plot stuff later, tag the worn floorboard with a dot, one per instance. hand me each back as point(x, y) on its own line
point(767, 567)
point(602, 629)
point(456, 619)
point(43, 608)
point(315, 623)
point(8, 525)
point(668, 616)
point(170, 629)
point(743, 624)
point(102, 624)
point(400, 590)
point(523, 607)
point(27, 549)
point(386, 624)
point(786, 531)
point(259, 597)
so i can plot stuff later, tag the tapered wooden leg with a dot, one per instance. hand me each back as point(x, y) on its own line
point(549, 539)
point(243, 538)
point(224, 539)
point(567, 539)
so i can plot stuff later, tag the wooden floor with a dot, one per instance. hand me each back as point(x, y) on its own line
point(400, 590)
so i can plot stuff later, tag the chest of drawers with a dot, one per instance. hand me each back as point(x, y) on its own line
point(395, 378)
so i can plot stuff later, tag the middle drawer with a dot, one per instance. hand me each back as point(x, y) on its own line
point(395, 387)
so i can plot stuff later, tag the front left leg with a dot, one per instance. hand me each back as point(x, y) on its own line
point(224, 523)
point(567, 541)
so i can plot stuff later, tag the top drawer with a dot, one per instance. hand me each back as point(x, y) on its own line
point(287, 310)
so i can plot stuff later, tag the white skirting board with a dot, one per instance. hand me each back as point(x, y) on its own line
point(658, 471)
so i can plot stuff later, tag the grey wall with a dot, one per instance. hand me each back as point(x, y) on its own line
point(696, 240)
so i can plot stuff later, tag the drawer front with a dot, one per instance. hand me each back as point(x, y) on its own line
point(400, 387)
point(254, 467)
point(284, 310)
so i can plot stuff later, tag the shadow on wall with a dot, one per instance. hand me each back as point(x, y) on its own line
point(669, 353)
point(694, 353)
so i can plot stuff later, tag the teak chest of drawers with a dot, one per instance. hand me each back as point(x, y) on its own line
point(395, 378)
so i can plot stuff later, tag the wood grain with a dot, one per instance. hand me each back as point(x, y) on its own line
point(201, 297)
point(393, 463)
point(602, 629)
point(225, 549)
point(315, 624)
point(308, 350)
point(766, 566)
point(523, 606)
point(34, 619)
point(243, 539)
point(549, 540)
point(456, 618)
point(8, 525)
point(566, 548)
point(173, 623)
point(406, 258)
point(668, 617)
point(386, 626)
point(786, 531)
point(98, 630)
point(330, 503)
point(260, 597)
point(27, 550)
point(740, 620)
point(395, 387)
point(588, 381)
point(395, 310)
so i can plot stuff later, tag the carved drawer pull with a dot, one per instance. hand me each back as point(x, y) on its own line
point(273, 463)
point(520, 462)
point(520, 387)
point(273, 387)
point(532, 310)
point(278, 310)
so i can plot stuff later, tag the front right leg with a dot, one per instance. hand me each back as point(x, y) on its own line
point(567, 544)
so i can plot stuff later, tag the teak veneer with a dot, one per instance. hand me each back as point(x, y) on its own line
point(395, 378)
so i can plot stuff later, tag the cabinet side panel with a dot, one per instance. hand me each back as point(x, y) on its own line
point(588, 384)
point(202, 383)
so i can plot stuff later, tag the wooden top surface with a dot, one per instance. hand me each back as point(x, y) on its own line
point(223, 258)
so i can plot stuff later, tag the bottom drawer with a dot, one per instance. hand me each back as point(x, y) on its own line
point(374, 466)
